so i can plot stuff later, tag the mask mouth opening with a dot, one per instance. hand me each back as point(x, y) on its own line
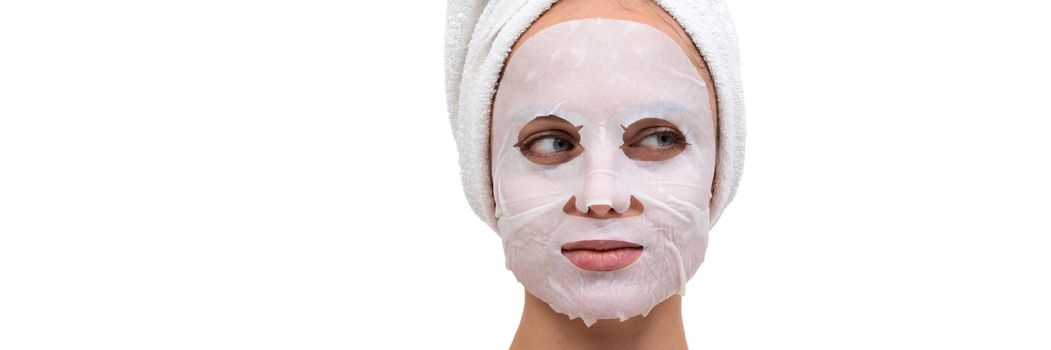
point(602, 255)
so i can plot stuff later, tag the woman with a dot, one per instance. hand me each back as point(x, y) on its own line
point(601, 144)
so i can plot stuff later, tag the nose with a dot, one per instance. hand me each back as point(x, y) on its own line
point(603, 211)
point(604, 192)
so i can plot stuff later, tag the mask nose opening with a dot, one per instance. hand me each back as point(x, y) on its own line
point(603, 211)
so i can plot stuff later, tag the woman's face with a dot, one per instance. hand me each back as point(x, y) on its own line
point(603, 154)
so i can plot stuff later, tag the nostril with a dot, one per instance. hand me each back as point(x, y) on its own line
point(603, 211)
point(634, 209)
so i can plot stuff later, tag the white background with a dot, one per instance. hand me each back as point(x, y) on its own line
point(281, 175)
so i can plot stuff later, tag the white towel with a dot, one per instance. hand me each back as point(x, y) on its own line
point(479, 35)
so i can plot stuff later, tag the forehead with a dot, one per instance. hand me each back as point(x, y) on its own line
point(605, 69)
point(641, 11)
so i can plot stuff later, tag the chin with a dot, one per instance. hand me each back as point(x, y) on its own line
point(602, 295)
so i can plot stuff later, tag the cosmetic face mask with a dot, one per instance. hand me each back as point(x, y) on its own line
point(603, 154)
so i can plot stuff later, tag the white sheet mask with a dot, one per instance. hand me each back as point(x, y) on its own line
point(602, 75)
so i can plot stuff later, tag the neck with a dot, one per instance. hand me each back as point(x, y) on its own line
point(543, 328)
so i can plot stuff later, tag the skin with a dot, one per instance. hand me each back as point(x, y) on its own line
point(543, 328)
point(540, 326)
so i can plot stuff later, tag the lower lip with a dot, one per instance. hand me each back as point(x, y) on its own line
point(603, 260)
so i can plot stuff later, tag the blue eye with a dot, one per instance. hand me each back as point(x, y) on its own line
point(550, 144)
point(551, 148)
point(660, 143)
point(659, 140)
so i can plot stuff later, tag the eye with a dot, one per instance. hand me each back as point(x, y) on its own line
point(659, 140)
point(550, 144)
point(549, 140)
point(550, 147)
point(656, 143)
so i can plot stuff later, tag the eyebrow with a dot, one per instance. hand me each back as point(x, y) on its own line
point(658, 108)
point(528, 113)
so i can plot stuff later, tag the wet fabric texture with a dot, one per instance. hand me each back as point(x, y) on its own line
point(603, 75)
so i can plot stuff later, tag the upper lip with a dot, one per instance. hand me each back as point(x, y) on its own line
point(598, 245)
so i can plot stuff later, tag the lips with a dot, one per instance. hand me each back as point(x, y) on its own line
point(602, 255)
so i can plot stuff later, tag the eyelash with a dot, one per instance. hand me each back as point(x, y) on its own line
point(527, 144)
point(680, 137)
point(639, 153)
